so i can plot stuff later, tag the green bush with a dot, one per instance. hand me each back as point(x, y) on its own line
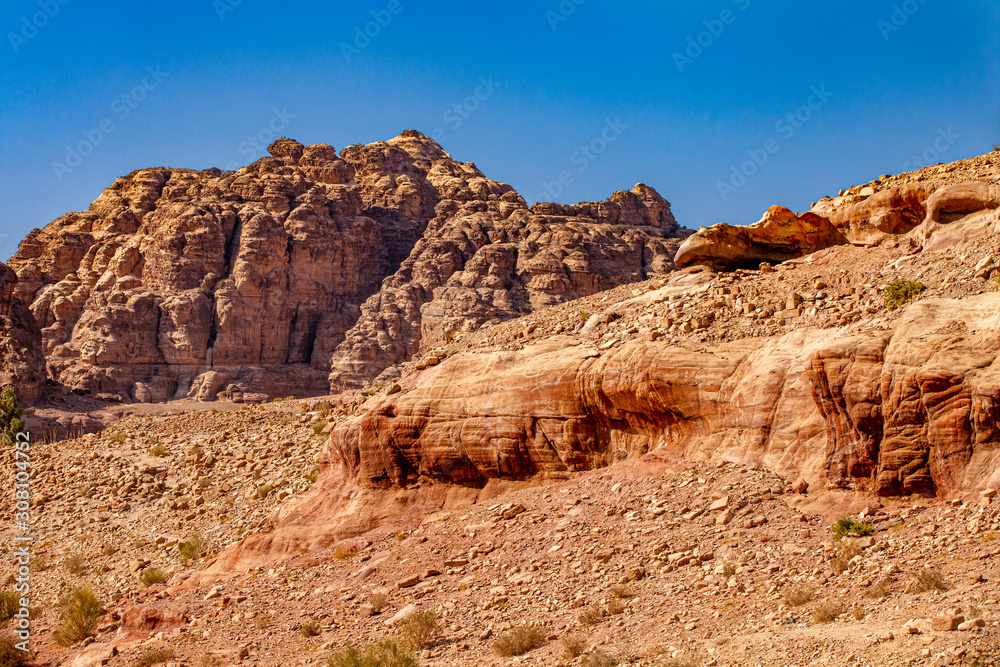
point(79, 610)
point(845, 525)
point(900, 292)
point(383, 654)
point(11, 422)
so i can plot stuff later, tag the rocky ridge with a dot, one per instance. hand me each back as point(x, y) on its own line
point(243, 285)
point(21, 362)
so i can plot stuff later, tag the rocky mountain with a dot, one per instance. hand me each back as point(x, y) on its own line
point(805, 368)
point(780, 445)
point(243, 285)
point(21, 362)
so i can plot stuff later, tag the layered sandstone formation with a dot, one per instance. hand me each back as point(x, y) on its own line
point(911, 410)
point(779, 236)
point(477, 266)
point(21, 362)
point(241, 285)
point(828, 387)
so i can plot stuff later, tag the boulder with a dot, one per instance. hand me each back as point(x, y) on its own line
point(779, 236)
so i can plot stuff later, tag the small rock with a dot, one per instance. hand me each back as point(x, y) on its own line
point(946, 623)
point(402, 615)
point(972, 624)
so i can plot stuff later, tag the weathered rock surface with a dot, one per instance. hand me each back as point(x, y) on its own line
point(21, 361)
point(902, 208)
point(242, 284)
point(476, 265)
point(779, 236)
point(912, 411)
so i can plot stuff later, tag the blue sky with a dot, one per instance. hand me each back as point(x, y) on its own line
point(564, 100)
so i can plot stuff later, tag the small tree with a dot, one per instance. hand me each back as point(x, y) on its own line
point(10, 416)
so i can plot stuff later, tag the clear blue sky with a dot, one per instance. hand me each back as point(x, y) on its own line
point(680, 125)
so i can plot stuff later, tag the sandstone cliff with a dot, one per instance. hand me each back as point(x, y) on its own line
point(829, 386)
point(241, 285)
point(475, 266)
point(21, 362)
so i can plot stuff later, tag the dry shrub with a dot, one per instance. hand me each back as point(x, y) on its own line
point(192, 548)
point(152, 575)
point(344, 551)
point(420, 629)
point(842, 560)
point(155, 656)
point(796, 596)
point(614, 607)
point(592, 615)
point(519, 641)
point(10, 602)
point(880, 589)
point(309, 629)
point(928, 580)
point(378, 601)
point(621, 591)
point(75, 564)
point(11, 656)
point(573, 646)
point(599, 659)
point(827, 612)
point(79, 610)
point(387, 653)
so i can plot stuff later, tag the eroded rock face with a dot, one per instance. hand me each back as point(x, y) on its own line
point(914, 410)
point(178, 281)
point(779, 236)
point(479, 264)
point(21, 361)
point(244, 284)
point(904, 208)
